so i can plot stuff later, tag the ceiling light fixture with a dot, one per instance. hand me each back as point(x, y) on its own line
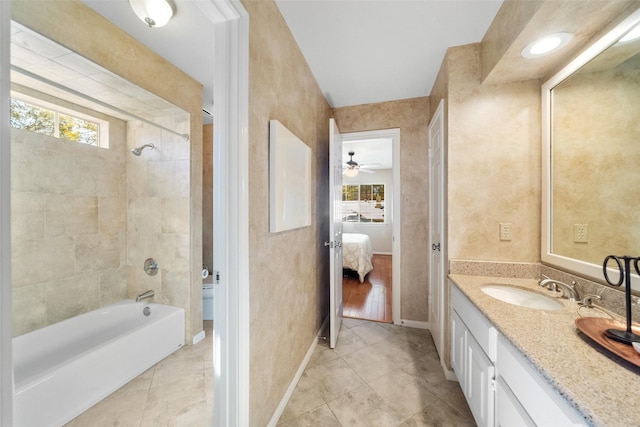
point(546, 45)
point(351, 172)
point(154, 13)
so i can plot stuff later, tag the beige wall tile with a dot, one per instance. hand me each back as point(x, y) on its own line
point(72, 296)
point(37, 170)
point(29, 311)
point(175, 215)
point(69, 215)
point(112, 215)
point(113, 285)
point(37, 261)
point(27, 213)
point(96, 252)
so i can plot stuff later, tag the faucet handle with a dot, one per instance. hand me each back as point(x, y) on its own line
point(587, 300)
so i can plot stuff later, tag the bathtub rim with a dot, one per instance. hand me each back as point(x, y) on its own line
point(20, 385)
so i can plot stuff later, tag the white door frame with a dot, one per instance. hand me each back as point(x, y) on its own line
point(336, 305)
point(231, 211)
point(437, 272)
point(6, 365)
point(394, 134)
point(231, 247)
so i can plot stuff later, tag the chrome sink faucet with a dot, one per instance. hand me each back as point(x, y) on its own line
point(148, 294)
point(568, 291)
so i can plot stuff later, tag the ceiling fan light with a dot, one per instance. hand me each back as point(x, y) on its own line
point(154, 13)
point(351, 172)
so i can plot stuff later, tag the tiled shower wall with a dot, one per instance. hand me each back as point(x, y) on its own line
point(68, 226)
point(85, 218)
point(158, 213)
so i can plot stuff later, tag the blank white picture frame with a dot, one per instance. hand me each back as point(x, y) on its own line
point(289, 180)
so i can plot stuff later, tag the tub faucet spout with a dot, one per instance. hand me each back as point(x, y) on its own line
point(145, 295)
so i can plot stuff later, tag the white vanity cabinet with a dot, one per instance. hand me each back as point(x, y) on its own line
point(473, 337)
point(500, 386)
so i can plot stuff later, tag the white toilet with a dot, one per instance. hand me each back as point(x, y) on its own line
point(207, 298)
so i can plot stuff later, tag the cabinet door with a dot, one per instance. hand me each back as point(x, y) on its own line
point(480, 388)
point(509, 412)
point(458, 344)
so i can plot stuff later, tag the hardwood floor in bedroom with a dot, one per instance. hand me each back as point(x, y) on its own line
point(370, 300)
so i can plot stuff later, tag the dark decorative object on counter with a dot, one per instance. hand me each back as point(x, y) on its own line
point(626, 336)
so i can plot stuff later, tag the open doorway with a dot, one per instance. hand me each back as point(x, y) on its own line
point(370, 215)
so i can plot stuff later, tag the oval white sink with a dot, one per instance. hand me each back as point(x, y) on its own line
point(521, 297)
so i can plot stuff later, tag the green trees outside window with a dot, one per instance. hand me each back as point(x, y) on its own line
point(42, 120)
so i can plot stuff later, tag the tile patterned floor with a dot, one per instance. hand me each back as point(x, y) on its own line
point(178, 391)
point(378, 375)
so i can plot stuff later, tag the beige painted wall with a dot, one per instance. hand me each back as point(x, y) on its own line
point(494, 163)
point(288, 270)
point(97, 39)
point(412, 117)
point(493, 157)
point(207, 196)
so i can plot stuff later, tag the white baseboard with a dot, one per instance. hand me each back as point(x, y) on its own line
point(382, 253)
point(198, 337)
point(449, 374)
point(285, 399)
point(414, 324)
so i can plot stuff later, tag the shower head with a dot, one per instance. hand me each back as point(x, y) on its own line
point(138, 151)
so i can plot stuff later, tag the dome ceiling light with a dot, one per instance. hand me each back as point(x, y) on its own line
point(546, 45)
point(154, 13)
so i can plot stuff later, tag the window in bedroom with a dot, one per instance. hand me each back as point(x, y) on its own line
point(363, 203)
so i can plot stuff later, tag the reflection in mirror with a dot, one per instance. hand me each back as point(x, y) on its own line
point(594, 149)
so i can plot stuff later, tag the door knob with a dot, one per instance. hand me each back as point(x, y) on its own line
point(435, 247)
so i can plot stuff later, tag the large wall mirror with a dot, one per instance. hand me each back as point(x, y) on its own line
point(591, 126)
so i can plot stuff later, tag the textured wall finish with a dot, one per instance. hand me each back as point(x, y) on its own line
point(207, 195)
point(412, 117)
point(519, 23)
point(595, 162)
point(288, 270)
point(102, 42)
point(493, 163)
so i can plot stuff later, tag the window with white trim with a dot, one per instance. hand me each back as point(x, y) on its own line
point(58, 122)
point(363, 203)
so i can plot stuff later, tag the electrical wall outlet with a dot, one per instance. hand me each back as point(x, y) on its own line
point(505, 231)
point(581, 233)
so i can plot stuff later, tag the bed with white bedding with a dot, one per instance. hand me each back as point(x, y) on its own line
point(356, 253)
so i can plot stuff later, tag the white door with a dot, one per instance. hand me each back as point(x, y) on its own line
point(436, 228)
point(335, 232)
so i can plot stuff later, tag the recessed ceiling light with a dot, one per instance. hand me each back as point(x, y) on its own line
point(546, 45)
point(631, 35)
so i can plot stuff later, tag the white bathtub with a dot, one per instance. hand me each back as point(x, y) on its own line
point(65, 368)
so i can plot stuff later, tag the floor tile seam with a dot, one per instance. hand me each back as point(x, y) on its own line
point(462, 414)
point(181, 378)
point(400, 415)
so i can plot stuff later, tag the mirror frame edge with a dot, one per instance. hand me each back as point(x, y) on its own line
point(583, 268)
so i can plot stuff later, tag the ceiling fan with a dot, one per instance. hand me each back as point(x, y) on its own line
point(352, 167)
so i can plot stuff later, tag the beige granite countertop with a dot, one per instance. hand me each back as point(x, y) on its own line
point(601, 386)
